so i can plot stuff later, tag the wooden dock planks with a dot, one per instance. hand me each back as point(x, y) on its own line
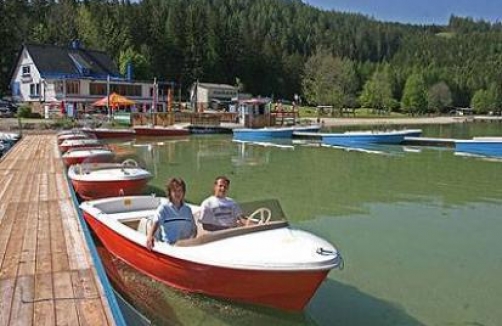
point(46, 272)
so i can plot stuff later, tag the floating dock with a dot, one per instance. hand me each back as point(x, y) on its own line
point(427, 141)
point(47, 274)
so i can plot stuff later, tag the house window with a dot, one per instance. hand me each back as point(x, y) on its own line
point(34, 90)
point(97, 89)
point(72, 87)
point(58, 87)
point(26, 70)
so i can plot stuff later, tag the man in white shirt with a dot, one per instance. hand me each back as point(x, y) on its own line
point(219, 212)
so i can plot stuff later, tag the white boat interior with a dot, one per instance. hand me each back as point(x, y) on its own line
point(267, 242)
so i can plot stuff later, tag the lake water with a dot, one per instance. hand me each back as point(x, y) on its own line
point(419, 228)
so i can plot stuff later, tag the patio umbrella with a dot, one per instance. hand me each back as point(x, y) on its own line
point(115, 101)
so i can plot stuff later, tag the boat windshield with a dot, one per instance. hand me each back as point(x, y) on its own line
point(261, 208)
point(261, 216)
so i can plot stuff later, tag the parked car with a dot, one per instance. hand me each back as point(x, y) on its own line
point(8, 106)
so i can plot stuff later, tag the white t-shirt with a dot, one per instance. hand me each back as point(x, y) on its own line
point(220, 211)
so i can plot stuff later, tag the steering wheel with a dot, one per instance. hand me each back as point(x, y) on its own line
point(130, 163)
point(260, 216)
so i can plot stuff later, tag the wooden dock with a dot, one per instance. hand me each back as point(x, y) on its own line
point(47, 276)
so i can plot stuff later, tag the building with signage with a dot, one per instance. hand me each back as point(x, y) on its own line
point(73, 77)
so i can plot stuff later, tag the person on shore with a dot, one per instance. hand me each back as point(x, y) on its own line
point(173, 217)
point(219, 212)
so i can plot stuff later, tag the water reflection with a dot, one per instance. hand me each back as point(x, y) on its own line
point(334, 304)
point(378, 149)
point(248, 154)
point(166, 306)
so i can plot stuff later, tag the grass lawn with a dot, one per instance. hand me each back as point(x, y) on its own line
point(311, 112)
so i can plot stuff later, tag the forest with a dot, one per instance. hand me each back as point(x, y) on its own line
point(275, 48)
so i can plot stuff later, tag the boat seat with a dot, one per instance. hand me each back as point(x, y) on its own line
point(145, 224)
point(210, 236)
point(125, 217)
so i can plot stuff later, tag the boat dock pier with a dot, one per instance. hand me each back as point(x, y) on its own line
point(47, 272)
point(428, 141)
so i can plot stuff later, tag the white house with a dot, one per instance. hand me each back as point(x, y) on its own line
point(48, 75)
point(213, 96)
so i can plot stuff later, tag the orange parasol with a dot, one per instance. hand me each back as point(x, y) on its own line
point(115, 101)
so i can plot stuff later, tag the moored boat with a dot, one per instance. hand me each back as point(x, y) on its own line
point(350, 138)
point(258, 134)
point(87, 155)
point(100, 180)
point(482, 146)
point(105, 133)
point(160, 131)
point(73, 136)
point(275, 265)
point(77, 143)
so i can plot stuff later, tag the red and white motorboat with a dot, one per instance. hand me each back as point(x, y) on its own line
point(160, 131)
point(267, 263)
point(77, 143)
point(73, 136)
point(100, 180)
point(88, 155)
point(105, 133)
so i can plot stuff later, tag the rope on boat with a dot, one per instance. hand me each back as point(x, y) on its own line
point(338, 256)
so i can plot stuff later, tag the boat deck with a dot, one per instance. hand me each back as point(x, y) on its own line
point(47, 276)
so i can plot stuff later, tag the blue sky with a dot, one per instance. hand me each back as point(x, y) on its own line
point(416, 11)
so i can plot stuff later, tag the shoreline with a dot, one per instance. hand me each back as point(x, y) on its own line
point(334, 122)
point(11, 124)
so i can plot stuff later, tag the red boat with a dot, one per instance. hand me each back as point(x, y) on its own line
point(78, 143)
point(100, 180)
point(160, 131)
point(87, 155)
point(265, 263)
point(73, 136)
point(103, 133)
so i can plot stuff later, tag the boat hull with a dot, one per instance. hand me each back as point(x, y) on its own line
point(89, 190)
point(270, 133)
point(158, 131)
point(491, 148)
point(354, 138)
point(64, 149)
point(288, 290)
point(62, 138)
point(78, 143)
point(112, 133)
point(91, 158)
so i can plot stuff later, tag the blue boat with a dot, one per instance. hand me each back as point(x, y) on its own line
point(260, 134)
point(482, 146)
point(351, 138)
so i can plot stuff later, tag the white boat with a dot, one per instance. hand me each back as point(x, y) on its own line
point(62, 138)
point(266, 263)
point(75, 143)
point(81, 155)
point(100, 180)
point(8, 136)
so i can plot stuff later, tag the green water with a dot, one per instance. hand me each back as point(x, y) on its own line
point(419, 228)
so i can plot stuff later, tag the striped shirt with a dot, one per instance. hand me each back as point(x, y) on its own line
point(174, 223)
